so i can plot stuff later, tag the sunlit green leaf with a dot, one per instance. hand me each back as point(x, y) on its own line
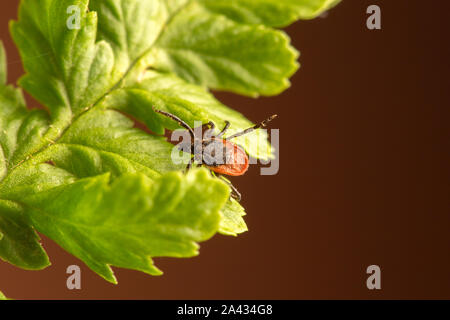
point(135, 218)
point(211, 50)
point(276, 13)
point(232, 222)
point(2, 296)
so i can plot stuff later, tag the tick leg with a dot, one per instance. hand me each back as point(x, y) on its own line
point(235, 194)
point(262, 124)
point(189, 165)
point(178, 120)
point(211, 124)
point(227, 125)
point(207, 129)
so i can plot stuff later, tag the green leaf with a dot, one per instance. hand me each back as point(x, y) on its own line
point(214, 51)
point(19, 243)
point(67, 70)
point(3, 71)
point(21, 132)
point(275, 13)
point(131, 220)
point(20, 135)
point(2, 296)
point(232, 222)
point(131, 27)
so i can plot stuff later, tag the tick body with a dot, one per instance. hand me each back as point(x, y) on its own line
point(236, 160)
point(216, 153)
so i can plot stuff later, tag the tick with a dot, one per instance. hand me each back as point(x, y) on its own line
point(215, 152)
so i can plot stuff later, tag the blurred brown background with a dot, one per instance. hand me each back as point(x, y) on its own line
point(364, 175)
